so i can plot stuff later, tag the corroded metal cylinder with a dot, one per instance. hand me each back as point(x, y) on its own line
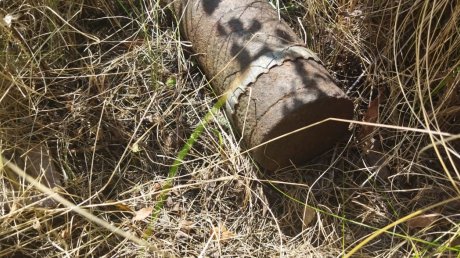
point(274, 84)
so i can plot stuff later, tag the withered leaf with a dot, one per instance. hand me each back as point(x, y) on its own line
point(422, 221)
point(38, 163)
point(370, 143)
point(221, 233)
point(142, 213)
point(309, 214)
point(371, 116)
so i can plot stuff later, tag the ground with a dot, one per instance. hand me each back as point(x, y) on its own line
point(106, 93)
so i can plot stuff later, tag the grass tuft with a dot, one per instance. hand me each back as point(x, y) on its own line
point(109, 91)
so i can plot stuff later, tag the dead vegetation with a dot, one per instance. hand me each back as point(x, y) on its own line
point(110, 91)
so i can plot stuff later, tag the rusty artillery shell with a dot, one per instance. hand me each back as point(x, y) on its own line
point(274, 84)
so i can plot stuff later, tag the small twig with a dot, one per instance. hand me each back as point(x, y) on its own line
point(353, 86)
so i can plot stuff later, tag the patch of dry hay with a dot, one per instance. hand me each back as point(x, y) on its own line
point(113, 93)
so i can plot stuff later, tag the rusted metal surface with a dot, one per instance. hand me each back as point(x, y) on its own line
point(274, 84)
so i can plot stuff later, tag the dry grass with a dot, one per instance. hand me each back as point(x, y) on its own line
point(113, 93)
